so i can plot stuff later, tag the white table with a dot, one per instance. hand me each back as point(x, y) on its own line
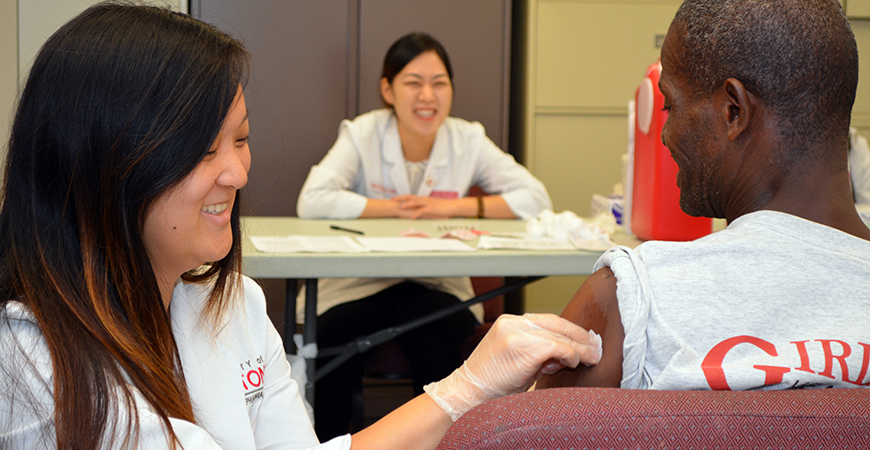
point(527, 264)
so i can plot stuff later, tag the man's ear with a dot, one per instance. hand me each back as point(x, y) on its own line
point(738, 108)
point(387, 92)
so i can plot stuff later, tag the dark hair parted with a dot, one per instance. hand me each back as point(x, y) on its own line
point(799, 56)
point(121, 104)
point(408, 47)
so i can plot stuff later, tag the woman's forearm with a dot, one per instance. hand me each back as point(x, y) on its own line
point(495, 207)
point(489, 207)
point(515, 351)
point(418, 424)
point(378, 207)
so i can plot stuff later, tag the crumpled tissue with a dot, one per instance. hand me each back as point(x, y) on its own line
point(567, 226)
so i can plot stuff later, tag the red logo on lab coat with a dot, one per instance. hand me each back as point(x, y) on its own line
point(380, 188)
point(253, 374)
point(444, 194)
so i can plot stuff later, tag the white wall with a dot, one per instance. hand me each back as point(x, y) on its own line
point(8, 68)
point(37, 19)
point(24, 26)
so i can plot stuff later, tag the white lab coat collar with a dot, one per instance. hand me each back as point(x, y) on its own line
point(391, 151)
point(393, 156)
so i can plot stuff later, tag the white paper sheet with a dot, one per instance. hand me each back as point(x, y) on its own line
point(496, 243)
point(316, 244)
point(413, 244)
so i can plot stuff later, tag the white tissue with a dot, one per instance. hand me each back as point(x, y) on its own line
point(307, 351)
point(565, 226)
point(597, 337)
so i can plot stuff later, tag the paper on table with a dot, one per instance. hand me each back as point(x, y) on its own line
point(316, 244)
point(413, 244)
point(491, 243)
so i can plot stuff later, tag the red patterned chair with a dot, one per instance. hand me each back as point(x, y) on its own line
point(607, 418)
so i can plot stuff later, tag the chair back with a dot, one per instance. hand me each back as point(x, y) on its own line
point(574, 418)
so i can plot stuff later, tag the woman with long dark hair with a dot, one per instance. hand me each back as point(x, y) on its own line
point(124, 322)
point(121, 105)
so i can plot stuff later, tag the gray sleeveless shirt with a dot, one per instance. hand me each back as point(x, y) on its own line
point(774, 301)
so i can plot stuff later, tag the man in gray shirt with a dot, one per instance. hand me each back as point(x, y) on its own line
point(759, 95)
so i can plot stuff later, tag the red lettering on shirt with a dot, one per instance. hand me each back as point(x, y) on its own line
point(830, 357)
point(805, 357)
point(832, 351)
point(864, 363)
point(712, 363)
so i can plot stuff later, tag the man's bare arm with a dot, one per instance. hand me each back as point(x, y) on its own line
point(594, 307)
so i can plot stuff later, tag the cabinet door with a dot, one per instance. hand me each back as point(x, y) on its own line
point(594, 53)
point(297, 93)
point(861, 110)
point(857, 9)
point(476, 35)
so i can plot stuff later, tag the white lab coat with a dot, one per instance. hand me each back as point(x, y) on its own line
point(237, 375)
point(366, 161)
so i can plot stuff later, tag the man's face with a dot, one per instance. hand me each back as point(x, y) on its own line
point(690, 133)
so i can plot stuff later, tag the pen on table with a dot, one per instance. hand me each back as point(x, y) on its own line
point(336, 227)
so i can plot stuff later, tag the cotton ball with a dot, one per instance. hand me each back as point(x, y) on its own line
point(535, 228)
point(560, 233)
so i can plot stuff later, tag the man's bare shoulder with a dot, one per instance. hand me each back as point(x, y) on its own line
point(594, 307)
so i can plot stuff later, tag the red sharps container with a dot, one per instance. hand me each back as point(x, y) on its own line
point(655, 203)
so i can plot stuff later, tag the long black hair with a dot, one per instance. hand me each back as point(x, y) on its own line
point(121, 104)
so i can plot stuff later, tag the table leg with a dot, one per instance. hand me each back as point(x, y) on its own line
point(290, 316)
point(514, 301)
point(309, 334)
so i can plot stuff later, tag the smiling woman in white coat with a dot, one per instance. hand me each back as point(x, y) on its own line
point(408, 160)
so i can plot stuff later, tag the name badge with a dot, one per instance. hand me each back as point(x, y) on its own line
point(444, 194)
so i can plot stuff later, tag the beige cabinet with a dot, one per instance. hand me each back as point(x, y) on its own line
point(857, 9)
point(591, 54)
point(585, 60)
point(861, 110)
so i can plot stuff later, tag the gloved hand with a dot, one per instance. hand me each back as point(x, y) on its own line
point(515, 352)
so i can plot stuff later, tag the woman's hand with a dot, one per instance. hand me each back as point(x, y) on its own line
point(515, 352)
point(416, 207)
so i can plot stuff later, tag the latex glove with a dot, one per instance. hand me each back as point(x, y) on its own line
point(515, 353)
